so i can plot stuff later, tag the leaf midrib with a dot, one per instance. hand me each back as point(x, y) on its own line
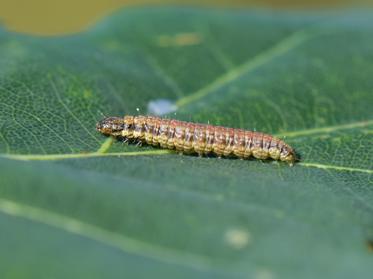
point(101, 152)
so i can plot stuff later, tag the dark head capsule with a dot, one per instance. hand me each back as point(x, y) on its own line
point(111, 126)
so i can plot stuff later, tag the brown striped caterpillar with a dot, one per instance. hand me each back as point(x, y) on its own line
point(187, 137)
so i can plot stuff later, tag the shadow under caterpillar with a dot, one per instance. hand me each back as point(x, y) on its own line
point(203, 139)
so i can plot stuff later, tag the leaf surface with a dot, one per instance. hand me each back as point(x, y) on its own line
point(75, 204)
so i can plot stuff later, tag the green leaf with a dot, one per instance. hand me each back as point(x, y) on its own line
point(74, 204)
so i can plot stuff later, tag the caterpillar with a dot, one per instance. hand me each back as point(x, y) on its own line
point(203, 139)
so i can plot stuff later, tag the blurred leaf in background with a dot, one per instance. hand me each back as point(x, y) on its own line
point(74, 204)
point(51, 17)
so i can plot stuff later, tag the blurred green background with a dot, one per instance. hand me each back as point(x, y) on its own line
point(45, 17)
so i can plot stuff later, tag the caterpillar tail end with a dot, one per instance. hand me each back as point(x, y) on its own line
point(291, 158)
point(294, 158)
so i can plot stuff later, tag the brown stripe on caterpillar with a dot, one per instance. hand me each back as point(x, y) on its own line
point(188, 137)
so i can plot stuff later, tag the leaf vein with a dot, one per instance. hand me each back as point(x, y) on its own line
point(327, 129)
point(41, 122)
point(55, 157)
point(113, 239)
point(285, 45)
point(70, 112)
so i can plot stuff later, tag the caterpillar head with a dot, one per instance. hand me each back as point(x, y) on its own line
point(112, 126)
